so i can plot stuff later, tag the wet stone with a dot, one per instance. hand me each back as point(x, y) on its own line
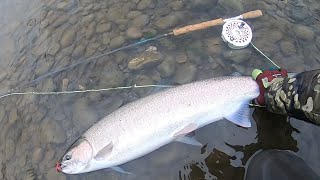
point(90, 30)
point(111, 76)
point(303, 32)
point(13, 116)
point(43, 67)
point(83, 115)
point(53, 175)
point(140, 21)
point(185, 73)
point(117, 41)
point(87, 19)
point(147, 59)
point(143, 80)
point(67, 37)
point(37, 155)
point(106, 38)
point(52, 132)
point(54, 48)
point(181, 58)
point(144, 4)
point(10, 147)
point(287, 47)
point(238, 56)
point(133, 14)
point(101, 28)
point(78, 51)
point(318, 42)
point(91, 49)
point(167, 21)
point(59, 21)
point(167, 67)
point(133, 33)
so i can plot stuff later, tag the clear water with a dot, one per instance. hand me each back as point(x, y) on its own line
point(37, 37)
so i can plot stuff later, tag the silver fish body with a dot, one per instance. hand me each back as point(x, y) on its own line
point(147, 124)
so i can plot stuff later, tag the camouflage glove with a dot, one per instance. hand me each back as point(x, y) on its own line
point(297, 96)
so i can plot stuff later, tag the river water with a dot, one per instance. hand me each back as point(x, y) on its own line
point(38, 37)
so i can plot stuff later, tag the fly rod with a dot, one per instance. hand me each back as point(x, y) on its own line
point(175, 32)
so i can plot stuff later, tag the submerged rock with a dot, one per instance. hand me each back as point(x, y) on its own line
point(167, 67)
point(67, 37)
point(303, 32)
point(239, 55)
point(134, 33)
point(52, 132)
point(83, 115)
point(185, 73)
point(148, 58)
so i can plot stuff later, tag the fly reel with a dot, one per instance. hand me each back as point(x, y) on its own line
point(236, 33)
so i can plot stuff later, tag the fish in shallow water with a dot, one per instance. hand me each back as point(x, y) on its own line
point(147, 124)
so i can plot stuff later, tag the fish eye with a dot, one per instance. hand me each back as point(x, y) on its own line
point(68, 157)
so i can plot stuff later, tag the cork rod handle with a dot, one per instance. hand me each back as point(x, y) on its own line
point(195, 27)
point(252, 14)
point(215, 22)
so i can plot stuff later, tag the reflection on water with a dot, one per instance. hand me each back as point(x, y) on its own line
point(40, 37)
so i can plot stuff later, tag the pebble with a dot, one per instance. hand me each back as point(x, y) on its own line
point(91, 49)
point(52, 132)
point(144, 4)
point(87, 19)
point(13, 116)
point(167, 67)
point(37, 155)
point(90, 30)
point(117, 41)
point(53, 175)
point(287, 48)
point(239, 55)
point(167, 21)
point(54, 48)
point(231, 5)
point(78, 51)
point(65, 83)
point(140, 21)
point(146, 59)
point(83, 115)
point(181, 58)
point(101, 28)
point(10, 147)
point(111, 76)
point(59, 21)
point(185, 73)
point(133, 14)
point(303, 32)
point(106, 38)
point(318, 42)
point(143, 80)
point(134, 33)
point(67, 37)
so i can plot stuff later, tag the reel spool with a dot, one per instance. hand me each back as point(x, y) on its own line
point(236, 33)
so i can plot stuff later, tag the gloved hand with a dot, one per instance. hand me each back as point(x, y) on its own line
point(297, 96)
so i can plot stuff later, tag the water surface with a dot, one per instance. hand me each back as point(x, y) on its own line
point(38, 37)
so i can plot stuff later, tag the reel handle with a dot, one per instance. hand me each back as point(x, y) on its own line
point(252, 14)
point(195, 27)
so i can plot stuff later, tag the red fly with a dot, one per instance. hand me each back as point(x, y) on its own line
point(58, 166)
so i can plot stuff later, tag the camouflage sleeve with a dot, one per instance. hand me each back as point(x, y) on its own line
point(297, 96)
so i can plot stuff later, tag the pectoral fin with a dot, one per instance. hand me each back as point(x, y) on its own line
point(104, 152)
point(242, 116)
point(186, 130)
point(120, 170)
point(189, 140)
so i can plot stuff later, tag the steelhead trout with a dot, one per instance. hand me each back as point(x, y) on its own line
point(147, 124)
